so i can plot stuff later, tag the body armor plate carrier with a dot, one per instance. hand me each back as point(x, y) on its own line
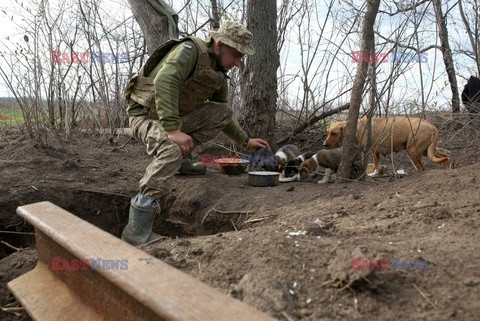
point(195, 91)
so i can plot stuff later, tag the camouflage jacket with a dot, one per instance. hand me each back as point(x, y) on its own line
point(176, 79)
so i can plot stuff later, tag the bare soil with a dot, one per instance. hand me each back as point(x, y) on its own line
point(286, 250)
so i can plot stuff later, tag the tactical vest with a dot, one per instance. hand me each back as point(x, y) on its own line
point(198, 88)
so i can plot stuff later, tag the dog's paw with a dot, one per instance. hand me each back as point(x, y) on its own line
point(374, 174)
point(284, 179)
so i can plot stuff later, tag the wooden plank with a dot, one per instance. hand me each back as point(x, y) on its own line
point(145, 289)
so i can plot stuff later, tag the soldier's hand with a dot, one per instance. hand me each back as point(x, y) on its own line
point(183, 140)
point(257, 142)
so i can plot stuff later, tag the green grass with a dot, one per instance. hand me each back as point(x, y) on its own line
point(323, 123)
point(10, 116)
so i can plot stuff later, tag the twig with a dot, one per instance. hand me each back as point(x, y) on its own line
point(34, 188)
point(11, 246)
point(328, 282)
point(116, 212)
point(286, 316)
point(313, 120)
point(11, 232)
point(232, 212)
point(213, 209)
point(123, 146)
point(425, 296)
point(102, 192)
point(151, 242)
point(13, 310)
point(205, 217)
point(234, 227)
point(223, 146)
point(255, 220)
point(354, 180)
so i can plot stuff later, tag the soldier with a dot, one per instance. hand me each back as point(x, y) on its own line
point(176, 102)
point(471, 96)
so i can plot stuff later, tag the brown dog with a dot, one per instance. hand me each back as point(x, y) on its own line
point(330, 160)
point(417, 136)
point(326, 158)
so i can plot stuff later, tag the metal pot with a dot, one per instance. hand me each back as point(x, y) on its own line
point(263, 178)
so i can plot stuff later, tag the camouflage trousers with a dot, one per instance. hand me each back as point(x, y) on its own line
point(202, 125)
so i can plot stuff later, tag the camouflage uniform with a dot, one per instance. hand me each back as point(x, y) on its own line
point(202, 124)
point(173, 101)
point(180, 87)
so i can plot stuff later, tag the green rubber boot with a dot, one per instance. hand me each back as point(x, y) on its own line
point(140, 221)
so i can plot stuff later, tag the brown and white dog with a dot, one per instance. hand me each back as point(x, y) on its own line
point(285, 154)
point(290, 171)
point(417, 136)
point(330, 160)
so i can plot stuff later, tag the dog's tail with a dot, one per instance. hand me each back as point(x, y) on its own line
point(434, 155)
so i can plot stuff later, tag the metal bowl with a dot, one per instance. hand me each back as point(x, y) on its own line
point(263, 178)
point(232, 166)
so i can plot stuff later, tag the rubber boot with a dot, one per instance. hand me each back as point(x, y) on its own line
point(189, 168)
point(140, 221)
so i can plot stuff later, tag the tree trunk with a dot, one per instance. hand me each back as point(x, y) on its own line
point(215, 20)
point(472, 35)
point(447, 54)
point(157, 20)
point(368, 46)
point(259, 76)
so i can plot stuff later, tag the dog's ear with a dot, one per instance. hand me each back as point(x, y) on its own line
point(342, 131)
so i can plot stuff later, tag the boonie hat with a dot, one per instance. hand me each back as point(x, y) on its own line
point(235, 35)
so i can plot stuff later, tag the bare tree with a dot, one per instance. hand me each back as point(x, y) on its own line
point(259, 76)
point(316, 83)
point(368, 46)
point(215, 21)
point(471, 20)
point(72, 63)
point(307, 96)
point(447, 54)
point(158, 21)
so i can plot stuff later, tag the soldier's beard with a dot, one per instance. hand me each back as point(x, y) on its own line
point(218, 57)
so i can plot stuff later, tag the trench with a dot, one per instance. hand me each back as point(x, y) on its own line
point(182, 216)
